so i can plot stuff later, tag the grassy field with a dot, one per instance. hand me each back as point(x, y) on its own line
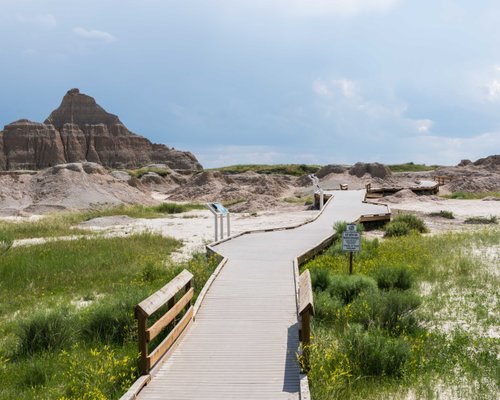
point(411, 167)
point(471, 196)
point(66, 313)
point(418, 320)
point(283, 169)
point(63, 224)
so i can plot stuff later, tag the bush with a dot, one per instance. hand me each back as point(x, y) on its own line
point(374, 354)
point(481, 220)
point(97, 374)
point(110, 322)
point(413, 222)
point(443, 214)
point(391, 310)
point(347, 287)
point(393, 278)
point(326, 307)
point(320, 279)
point(396, 229)
point(48, 331)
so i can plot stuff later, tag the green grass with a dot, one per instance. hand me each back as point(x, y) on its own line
point(482, 220)
point(306, 200)
point(282, 169)
point(66, 312)
point(443, 214)
point(412, 167)
point(139, 173)
point(471, 195)
point(403, 225)
point(424, 331)
point(62, 224)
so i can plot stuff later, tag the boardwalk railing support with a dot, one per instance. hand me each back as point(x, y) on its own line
point(306, 311)
point(167, 294)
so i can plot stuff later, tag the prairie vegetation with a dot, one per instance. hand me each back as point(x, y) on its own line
point(419, 320)
point(67, 328)
point(412, 167)
point(63, 224)
point(282, 169)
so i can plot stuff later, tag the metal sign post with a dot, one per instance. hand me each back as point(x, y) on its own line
point(219, 212)
point(351, 242)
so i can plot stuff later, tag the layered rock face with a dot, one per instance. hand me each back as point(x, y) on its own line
point(78, 131)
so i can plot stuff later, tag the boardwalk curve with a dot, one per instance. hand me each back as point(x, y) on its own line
point(243, 342)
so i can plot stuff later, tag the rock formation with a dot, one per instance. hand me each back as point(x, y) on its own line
point(78, 131)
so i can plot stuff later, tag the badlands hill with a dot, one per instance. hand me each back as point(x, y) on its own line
point(82, 131)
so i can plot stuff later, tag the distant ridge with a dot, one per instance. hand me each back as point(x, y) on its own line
point(80, 130)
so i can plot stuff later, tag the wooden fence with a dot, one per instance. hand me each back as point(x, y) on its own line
point(167, 295)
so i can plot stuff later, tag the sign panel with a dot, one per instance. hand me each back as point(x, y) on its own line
point(351, 241)
point(220, 208)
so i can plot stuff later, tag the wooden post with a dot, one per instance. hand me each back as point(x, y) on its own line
point(142, 326)
point(306, 338)
point(306, 310)
point(350, 262)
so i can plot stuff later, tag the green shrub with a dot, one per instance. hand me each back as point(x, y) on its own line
point(176, 208)
point(326, 308)
point(320, 279)
point(110, 321)
point(390, 310)
point(443, 214)
point(396, 229)
point(347, 287)
point(481, 220)
point(49, 330)
point(372, 353)
point(97, 374)
point(393, 278)
point(413, 222)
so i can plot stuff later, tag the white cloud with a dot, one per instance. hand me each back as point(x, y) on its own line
point(450, 150)
point(321, 88)
point(94, 34)
point(493, 90)
point(423, 125)
point(46, 21)
point(217, 156)
point(345, 87)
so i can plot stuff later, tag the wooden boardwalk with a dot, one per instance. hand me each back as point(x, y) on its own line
point(244, 340)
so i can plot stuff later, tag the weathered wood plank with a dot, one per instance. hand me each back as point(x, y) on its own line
point(136, 387)
point(160, 297)
point(305, 294)
point(169, 340)
point(169, 316)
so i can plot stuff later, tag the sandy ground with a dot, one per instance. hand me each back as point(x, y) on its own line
point(196, 228)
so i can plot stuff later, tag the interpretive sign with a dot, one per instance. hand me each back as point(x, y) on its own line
point(351, 240)
point(218, 208)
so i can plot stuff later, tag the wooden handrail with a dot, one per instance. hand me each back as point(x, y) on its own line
point(146, 308)
point(441, 179)
point(306, 311)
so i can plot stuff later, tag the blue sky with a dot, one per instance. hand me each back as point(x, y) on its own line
point(268, 81)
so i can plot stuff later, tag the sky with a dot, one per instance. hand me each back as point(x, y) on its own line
point(267, 81)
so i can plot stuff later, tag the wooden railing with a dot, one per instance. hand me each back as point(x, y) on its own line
point(441, 180)
point(306, 311)
point(146, 308)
